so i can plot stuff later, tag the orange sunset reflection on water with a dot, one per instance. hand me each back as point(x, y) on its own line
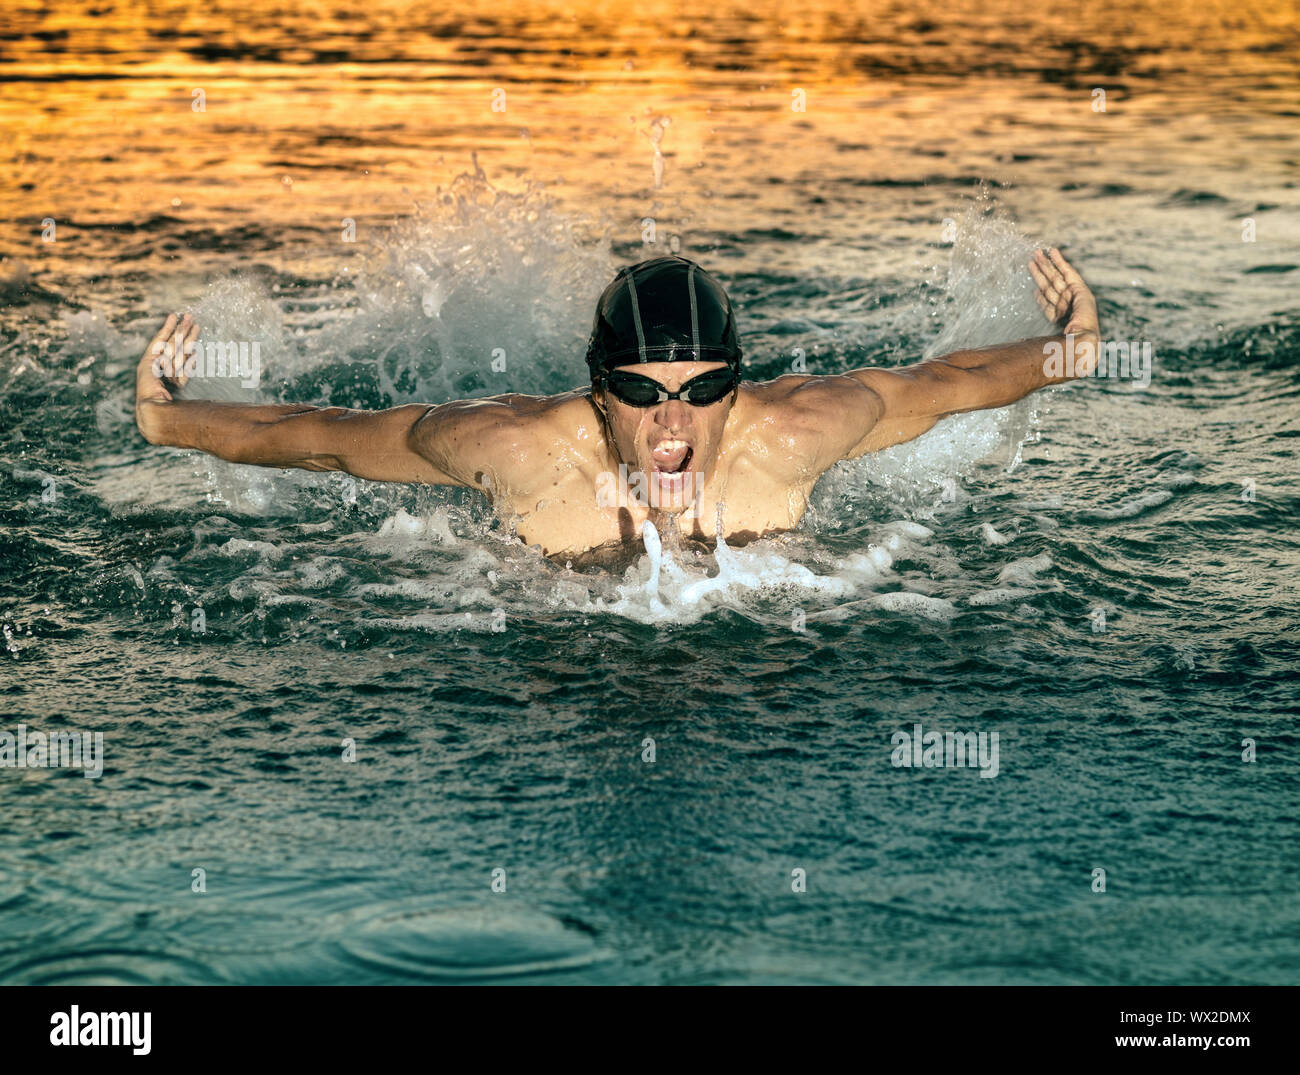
point(320, 113)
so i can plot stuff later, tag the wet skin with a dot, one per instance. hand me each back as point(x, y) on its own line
point(551, 464)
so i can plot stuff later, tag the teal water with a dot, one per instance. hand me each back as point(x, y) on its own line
point(500, 703)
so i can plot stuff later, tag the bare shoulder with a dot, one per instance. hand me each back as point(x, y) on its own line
point(506, 442)
point(816, 417)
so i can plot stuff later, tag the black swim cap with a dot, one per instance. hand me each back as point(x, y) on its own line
point(666, 309)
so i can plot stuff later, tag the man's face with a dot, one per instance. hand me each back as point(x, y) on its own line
point(674, 443)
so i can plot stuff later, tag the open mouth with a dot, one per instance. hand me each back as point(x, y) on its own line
point(672, 456)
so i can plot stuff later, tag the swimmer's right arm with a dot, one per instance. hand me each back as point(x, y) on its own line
point(448, 444)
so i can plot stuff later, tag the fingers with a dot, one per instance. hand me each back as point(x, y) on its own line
point(166, 330)
point(1068, 271)
point(1049, 311)
point(187, 334)
point(1039, 273)
point(157, 344)
point(173, 345)
point(1059, 272)
point(1051, 286)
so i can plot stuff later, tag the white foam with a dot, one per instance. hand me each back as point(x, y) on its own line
point(1025, 571)
point(321, 572)
point(657, 588)
point(998, 597)
point(437, 622)
point(991, 536)
point(241, 546)
point(1134, 505)
point(435, 526)
point(915, 604)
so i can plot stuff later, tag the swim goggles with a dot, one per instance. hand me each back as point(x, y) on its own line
point(638, 391)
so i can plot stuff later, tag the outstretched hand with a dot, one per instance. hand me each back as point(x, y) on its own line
point(1062, 295)
point(162, 369)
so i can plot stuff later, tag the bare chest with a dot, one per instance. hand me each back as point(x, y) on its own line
point(580, 511)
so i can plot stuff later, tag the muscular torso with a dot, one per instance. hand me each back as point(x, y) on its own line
point(764, 472)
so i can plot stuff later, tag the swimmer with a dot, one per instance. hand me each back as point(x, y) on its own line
point(667, 431)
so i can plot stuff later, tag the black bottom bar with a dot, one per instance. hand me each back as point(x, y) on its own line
point(367, 1024)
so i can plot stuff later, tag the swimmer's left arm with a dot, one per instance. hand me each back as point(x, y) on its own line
point(908, 401)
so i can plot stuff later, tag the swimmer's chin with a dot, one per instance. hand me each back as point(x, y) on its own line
point(675, 492)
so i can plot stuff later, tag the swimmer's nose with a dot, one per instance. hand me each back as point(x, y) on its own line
point(672, 414)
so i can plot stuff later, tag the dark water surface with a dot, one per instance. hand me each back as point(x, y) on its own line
point(227, 628)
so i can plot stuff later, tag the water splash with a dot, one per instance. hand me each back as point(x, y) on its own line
point(482, 270)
